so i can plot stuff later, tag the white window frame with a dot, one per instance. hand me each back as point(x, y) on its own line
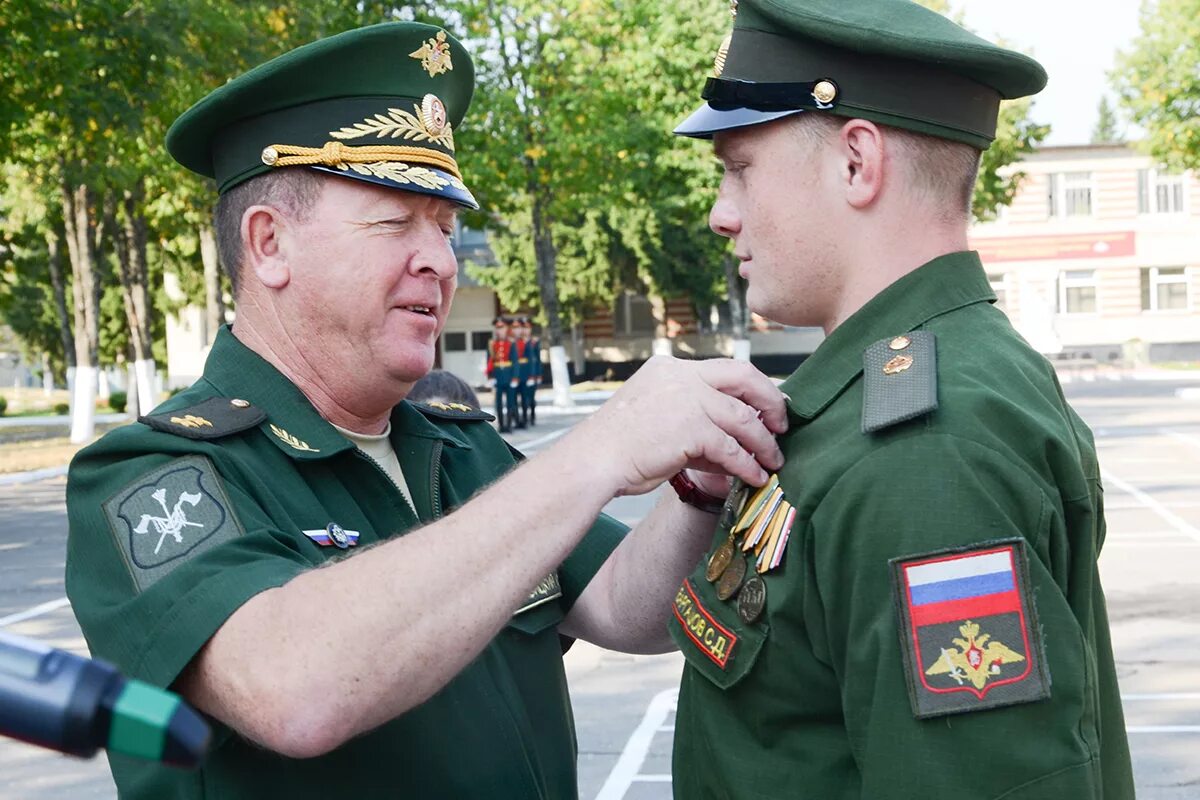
point(1157, 280)
point(1156, 179)
point(1072, 279)
point(1057, 199)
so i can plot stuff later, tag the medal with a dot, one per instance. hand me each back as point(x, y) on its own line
point(752, 599)
point(731, 578)
point(754, 504)
point(719, 560)
point(733, 504)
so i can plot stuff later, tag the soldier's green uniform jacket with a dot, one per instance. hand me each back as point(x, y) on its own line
point(854, 684)
point(169, 535)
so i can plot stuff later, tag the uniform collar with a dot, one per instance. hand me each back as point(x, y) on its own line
point(292, 423)
point(942, 285)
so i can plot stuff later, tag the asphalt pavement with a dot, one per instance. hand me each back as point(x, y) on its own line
point(1148, 437)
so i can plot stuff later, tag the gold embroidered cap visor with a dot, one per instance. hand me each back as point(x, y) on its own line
point(890, 61)
point(378, 104)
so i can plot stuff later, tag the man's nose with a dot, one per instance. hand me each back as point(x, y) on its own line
point(723, 218)
point(436, 255)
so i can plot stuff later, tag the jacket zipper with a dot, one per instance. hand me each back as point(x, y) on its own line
point(404, 502)
point(435, 480)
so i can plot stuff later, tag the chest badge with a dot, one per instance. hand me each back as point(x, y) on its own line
point(333, 535)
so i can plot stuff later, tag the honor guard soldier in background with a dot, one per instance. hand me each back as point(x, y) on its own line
point(362, 593)
point(502, 370)
point(911, 608)
point(529, 365)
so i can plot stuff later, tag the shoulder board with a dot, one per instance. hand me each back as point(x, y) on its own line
point(211, 419)
point(899, 380)
point(458, 412)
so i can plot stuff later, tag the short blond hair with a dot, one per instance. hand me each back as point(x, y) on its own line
point(939, 172)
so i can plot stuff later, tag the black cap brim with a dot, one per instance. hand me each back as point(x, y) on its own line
point(706, 120)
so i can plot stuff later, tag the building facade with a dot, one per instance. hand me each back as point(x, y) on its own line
point(1098, 257)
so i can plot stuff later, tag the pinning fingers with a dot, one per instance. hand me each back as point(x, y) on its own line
point(745, 425)
point(727, 455)
point(741, 380)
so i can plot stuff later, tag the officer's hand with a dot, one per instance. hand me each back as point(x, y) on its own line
point(718, 415)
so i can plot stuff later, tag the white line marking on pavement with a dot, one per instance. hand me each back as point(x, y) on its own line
point(1194, 441)
point(652, 778)
point(36, 611)
point(1141, 545)
point(536, 443)
point(32, 476)
point(626, 770)
point(1119, 505)
point(1149, 502)
point(1163, 729)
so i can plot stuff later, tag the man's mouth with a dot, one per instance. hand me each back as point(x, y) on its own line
point(426, 310)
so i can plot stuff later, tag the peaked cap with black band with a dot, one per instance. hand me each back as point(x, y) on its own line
point(376, 104)
point(890, 61)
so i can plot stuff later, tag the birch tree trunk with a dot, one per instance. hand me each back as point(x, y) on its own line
point(214, 303)
point(658, 308)
point(737, 310)
point(81, 247)
point(54, 240)
point(547, 280)
point(134, 276)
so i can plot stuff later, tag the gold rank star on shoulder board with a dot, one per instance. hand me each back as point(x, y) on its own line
point(213, 418)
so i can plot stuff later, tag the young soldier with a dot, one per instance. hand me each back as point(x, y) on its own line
point(529, 360)
point(352, 586)
point(911, 608)
point(502, 370)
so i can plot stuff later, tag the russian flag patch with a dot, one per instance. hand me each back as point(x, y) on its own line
point(968, 630)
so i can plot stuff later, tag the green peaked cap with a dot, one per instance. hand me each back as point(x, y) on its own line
point(890, 61)
point(377, 104)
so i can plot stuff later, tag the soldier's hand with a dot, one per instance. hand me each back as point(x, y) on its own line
point(718, 416)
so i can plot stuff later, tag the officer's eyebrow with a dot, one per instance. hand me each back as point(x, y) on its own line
point(725, 148)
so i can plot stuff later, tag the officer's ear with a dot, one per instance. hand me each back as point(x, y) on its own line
point(861, 147)
point(262, 243)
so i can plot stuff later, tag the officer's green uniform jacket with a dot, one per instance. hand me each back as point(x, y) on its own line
point(239, 504)
point(814, 699)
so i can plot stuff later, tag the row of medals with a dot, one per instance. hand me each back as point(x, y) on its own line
point(763, 524)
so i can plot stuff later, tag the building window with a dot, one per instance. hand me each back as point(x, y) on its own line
point(480, 339)
point(1077, 291)
point(633, 316)
point(1069, 194)
point(1164, 289)
point(454, 342)
point(996, 279)
point(1160, 193)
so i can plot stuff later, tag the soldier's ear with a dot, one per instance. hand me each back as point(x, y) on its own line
point(263, 229)
point(861, 149)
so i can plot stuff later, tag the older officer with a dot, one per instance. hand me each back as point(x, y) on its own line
point(911, 607)
point(326, 569)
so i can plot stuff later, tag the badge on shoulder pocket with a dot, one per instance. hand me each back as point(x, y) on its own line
point(968, 629)
point(170, 515)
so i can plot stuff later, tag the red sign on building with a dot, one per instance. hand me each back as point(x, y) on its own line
point(1055, 246)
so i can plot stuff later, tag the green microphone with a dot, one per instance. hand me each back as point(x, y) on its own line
point(75, 705)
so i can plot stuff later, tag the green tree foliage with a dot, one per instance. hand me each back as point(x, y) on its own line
point(1158, 81)
point(1108, 127)
point(568, 148)
point(1016, 136)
